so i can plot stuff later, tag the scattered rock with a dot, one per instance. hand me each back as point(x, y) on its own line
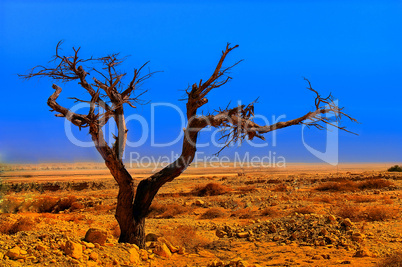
point(362, 252)
point(199, 202)
point(134, 255)
point(94, 235)
point(162, 250)
point(220, 233)
point(94, 256)
point(13, 253)
point(73, 249)
point(243, 234)
point(182, 250)
point(172, 248)
point(143, 254)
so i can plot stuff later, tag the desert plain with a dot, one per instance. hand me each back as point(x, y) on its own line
point(298, 215)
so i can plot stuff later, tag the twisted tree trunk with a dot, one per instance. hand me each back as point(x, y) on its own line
point(133, 205)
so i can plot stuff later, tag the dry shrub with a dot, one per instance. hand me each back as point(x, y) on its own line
point(185, 236)
point(11, 204)
point(247, 189)
point(271, 212)
point(393, 260)
point(104, 208)
point(69, 202)
point(11, 228)
point(362, 199)
point(211, 189)
point(76, 218)
point(395, 168)
point(213, 213)
point(304, 210)
point(280, 188)
point(46, 204)
point(326, 199)
point(245, 213)
point(166, 211)
point(354, 213)
point(375, 184)
point(344, 186)
point(380, 213)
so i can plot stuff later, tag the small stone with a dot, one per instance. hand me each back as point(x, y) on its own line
point(358, 237)
point(182, 250)
point(347, 222)
point(162, 250)
point(94, 256)
point(243, 234)
point(332, 218)
point(134, 256)
point(199, 202)
point(73, 249)
point(362, 252)
point(89, 245)
point(143, 254)
point(41, 247)
point(13, 253)
point(220, 233)
point(94, 235)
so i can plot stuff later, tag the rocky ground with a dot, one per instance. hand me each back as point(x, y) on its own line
point(239, 219)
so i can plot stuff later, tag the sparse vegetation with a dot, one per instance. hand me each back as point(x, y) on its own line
point(352, 186)
point(343, 186)
point(184, 236)
point(376, 213)
point(214, 213)
point(392, 260)
point(211, 189)
point(166, 211)
point(271, 212)
point(305, 210)
point(12, 227)
point(395, 168)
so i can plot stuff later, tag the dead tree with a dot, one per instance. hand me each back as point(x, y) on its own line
point(108, 97)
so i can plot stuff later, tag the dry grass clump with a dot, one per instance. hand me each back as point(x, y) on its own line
point(351, 186)
point(304, 210)
point(43, 204)
point(393, 260)
point(372, 213)
point(245, 213)
point(271, 212)
point(211, 189)
point(184, 236)
point(166, 211)
point(354, 213)
point(247, 189)
point(21, 224)
point(326, 199)
point(11, 204)
point(362, 199)
point(375, 184)
point(343, 186)
point(214, 213)
point(280, 188)
point(380, 213)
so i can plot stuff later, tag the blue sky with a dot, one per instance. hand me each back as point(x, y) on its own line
point(349, 48)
